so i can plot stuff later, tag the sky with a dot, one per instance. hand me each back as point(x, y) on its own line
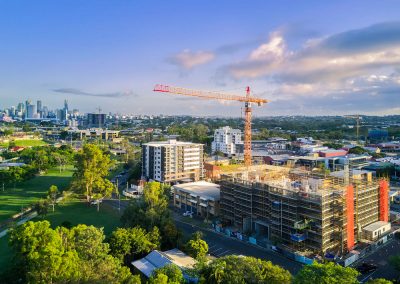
point(304, 57)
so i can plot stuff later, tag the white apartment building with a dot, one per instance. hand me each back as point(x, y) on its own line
point(172, 161)
point(226, 139)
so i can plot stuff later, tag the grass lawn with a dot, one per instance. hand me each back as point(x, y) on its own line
point(79, 212)
point(26, 193)
point(26, 143)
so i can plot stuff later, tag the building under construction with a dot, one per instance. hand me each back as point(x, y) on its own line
point(304, 210)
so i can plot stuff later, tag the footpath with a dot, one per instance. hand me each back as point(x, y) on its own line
point(20, 222)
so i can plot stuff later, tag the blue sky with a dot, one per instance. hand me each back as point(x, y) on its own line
point(305, 57)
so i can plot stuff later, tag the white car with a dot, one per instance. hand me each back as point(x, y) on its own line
point(96, 201)
point(188, 213)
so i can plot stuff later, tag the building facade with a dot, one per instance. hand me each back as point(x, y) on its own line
point(305, 212)
point(95, 120)
point(226, 140)
point(201, 198)
point(172, 161)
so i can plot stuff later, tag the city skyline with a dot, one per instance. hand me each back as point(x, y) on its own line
point(307, 58)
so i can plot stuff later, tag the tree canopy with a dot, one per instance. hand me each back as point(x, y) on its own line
point(151, 210)
point(243, 269)
point(128, 244)
point(79, 254)
point(196, 247)
point(168, 274)
point(92, 168)
point(326, 273)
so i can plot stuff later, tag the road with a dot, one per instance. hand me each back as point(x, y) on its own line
point(220, 245)
point(381, 259)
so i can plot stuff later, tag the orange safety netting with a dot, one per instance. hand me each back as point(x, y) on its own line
point(350, 217)
point(383, 201)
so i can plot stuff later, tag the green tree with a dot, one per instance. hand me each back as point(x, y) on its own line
point(333, 145)
point(41, 207)
point(61, 255)
point(243, 269)
point(196, 247)
point(52, 195)
point(41, 160)
point(395, 261)
point(40, 254)
point(379, 281)
point(357, 150)
point(170, 274)
point(92, 168)
point(151, 210)
point(127, 244)
point(326, 273)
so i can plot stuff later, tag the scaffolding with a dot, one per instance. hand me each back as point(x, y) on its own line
point(301, 208)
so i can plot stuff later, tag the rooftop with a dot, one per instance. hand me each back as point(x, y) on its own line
point(201, 188)
point(170, 142)
point(375, 226)
point(157, 259)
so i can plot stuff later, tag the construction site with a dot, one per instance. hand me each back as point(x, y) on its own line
point(305, 211)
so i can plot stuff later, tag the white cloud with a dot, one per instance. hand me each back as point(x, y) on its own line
point(272, 50)
point(188, 59)
point(336, 57)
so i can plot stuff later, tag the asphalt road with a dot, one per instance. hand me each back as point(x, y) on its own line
point(220, 245)
point(381, 259)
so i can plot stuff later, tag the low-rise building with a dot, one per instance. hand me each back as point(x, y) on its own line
point(376, 230)
point(158, 259)
point(201, 198)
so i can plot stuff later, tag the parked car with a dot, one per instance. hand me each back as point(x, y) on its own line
point(188, 213)
point(366, 267)
point(96, 201)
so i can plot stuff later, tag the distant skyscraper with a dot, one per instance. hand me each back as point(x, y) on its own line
point(39, 106)
point(66, 105)
point(30, 111)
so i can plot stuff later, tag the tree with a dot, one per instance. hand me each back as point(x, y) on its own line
point(395, 261)
point(243, 269)
point(326, 273)
point(127, 244)
point(40, 253)
point(169, 274)
point(61, 160)
point(357, 150)
point(92, 167)
point(379, 281)
point(61, 255)
point(196, 247)
point(41, 207)
point(151, 210)
point(41, 160)
point(333, 145)
point(52, 195)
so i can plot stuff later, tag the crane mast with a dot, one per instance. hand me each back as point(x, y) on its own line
point(248, 99)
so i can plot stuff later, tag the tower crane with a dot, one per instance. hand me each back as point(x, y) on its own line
point(357, 117)
point(248, 99)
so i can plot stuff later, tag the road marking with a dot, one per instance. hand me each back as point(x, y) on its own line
point(215, 252)
point(368, 276)
point(223, 253)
